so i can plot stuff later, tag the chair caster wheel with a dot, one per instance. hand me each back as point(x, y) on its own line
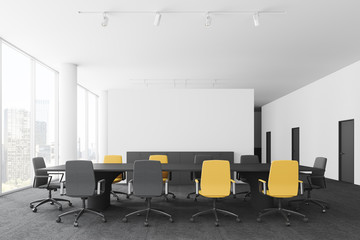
point(146, 224)
point(305, 219)
point(34, 209)
point(60, 208)
point(324, 210)
point(127, 196)
point(174, 197)
point(216, 224)
point(195, 200)
point(287, 224)
point(31, 206)
point(51, 203)
point(124, 220)
point(238, 220)
point(171, 220)
point(76, 224)
point(58, 220)
point(192, 220)
point(70, 204)
point(118, 199)
point(234, 196)
point(104, 220)
point(188, 197)
point(258, 220)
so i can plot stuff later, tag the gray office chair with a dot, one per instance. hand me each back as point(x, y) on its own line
point(246, 159)
point(316, 180)
point(198, 159)
point(43, 180)
point(147, 183)
point(80, 182)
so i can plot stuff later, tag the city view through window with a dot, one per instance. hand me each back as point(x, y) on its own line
point(29, 118)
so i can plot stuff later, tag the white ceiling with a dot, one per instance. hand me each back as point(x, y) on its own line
point(287, 51)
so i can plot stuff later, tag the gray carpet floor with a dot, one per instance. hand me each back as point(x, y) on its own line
point(341, 221)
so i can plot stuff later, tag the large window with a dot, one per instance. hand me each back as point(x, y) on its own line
point(87, 112)
point(28, 116)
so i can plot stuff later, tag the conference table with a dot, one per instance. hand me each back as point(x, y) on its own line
point(109, 171)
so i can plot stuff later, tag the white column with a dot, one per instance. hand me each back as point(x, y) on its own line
point(68, 113)
point(103, 125)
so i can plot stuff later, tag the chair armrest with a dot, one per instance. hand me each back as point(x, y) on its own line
point(62, 187)
point(100, 186)
point(48, 177)
point(233, 186)
point(197, 186)
point(129, 186)
point(166, 186)
point(55, 173)
point(309, 178)
point(301, 187)
point(262, 186)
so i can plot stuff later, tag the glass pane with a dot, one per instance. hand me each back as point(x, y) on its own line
point(92, 129)
point(16, 117)
point(45, 114)
point(81, 123)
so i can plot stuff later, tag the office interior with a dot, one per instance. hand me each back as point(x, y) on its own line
point(82, 80)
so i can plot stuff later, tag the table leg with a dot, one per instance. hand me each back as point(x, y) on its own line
point(101, 202)
point(259, 201)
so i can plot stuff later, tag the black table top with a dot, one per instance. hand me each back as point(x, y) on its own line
point(118, 167)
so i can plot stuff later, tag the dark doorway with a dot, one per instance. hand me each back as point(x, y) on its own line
point(295, 144)
point(268, 147)
point(346, 151)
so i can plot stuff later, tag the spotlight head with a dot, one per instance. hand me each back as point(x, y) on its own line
point(157, 19)
point(207, 20)
point(105, 20)
point(256, 19)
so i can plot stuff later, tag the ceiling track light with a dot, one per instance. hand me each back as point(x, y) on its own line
point(256, 19)
point(157, 19)
point(207, 20)
point(105, 20)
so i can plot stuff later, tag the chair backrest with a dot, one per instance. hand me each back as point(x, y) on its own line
point(80, 178)
point(163, 159)
point(284, 178)
point(147, 178)
point(112, 159)
point(215, 177)
point(249, 159)
point(320, 162)
point(199, 159)
point(39, 162)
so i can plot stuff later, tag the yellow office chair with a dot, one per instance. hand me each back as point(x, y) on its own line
point(120, 177)
point(283, 183)
point(165, 174)
point(215, 183)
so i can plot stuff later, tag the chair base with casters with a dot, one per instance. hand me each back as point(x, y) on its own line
point(215, 210)
point(51, 200)
point(115, 194)
point(324, 205)
point(148, 209)
point(80, 212)
point(247, 194)
point(193, 193)
point(284, 212)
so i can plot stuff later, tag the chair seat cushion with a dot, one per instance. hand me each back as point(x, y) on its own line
point(118, 179)
point(211, 195)
point(276, 195)
point(52, 185)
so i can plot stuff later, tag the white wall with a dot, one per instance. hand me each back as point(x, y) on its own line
point(317, 109)
point(181, 120)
